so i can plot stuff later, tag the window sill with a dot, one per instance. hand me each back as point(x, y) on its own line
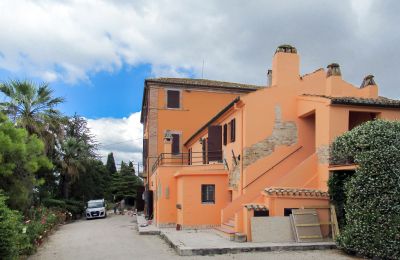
point(208, 203)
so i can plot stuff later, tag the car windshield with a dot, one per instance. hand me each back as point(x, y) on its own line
point(95, 204)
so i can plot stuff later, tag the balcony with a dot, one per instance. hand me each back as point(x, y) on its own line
point(186, 159)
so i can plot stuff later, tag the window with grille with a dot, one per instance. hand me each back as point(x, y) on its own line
point(208, 193)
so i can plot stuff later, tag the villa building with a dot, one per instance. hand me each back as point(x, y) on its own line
point(218, 154)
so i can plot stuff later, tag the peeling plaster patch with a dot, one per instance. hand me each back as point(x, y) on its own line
point(323, 153)
point(234, 176)
point(283, 133)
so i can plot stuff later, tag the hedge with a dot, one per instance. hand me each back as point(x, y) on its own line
point(372, 194)
point(54, 203)
point(11, 236)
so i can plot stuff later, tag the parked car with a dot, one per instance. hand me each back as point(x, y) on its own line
point(96, 209)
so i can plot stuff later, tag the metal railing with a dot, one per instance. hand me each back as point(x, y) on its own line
point(192, 158)
point(273, 166)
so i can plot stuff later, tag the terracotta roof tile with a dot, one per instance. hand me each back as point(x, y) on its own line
point(376, 102)
point(203, 83)
point(295, 192)
point(256, 207)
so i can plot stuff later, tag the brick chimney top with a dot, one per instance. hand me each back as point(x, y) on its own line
point(286, 48)
point(368, 80)
point(333, 70)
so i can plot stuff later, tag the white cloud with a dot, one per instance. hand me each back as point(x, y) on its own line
point(121, 136)
point(70, 39)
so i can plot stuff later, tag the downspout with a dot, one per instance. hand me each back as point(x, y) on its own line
point(242, 150)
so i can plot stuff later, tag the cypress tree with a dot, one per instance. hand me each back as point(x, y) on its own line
point(111, 164)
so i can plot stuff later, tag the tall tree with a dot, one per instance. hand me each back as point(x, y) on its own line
point(111, 163)
point(33, 107)
point(21, 155)
point(76, 149)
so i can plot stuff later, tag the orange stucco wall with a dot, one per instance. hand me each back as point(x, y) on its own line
point(283, 133)
point(193, 212)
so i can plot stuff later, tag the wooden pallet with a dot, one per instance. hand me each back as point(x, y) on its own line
point(306, 226)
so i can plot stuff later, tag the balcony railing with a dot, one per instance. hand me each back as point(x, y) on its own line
point(193, 158)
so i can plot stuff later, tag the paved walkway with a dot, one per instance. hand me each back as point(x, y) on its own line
point(116, 238)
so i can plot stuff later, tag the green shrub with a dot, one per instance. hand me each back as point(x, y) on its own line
point(336, 184)
point(372, 204)
point(11, 237)
point(75, 207)
point(53, 203)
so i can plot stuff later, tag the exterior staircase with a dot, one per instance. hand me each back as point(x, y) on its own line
point(227, 229)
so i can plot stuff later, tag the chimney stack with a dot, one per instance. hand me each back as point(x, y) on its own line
point(285, 66)
point(368, 81)
point(333, 70)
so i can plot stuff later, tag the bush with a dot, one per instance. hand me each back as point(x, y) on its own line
point(75, 207)
point(336, 184)
point(11, 237)
point(53, 203)
point(372, 204)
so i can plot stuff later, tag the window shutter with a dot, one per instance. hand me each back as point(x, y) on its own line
point(233, 130)
point(203, 150)
point(225, 134)
point(175, 144)
point(214, 143)
point(173, 99)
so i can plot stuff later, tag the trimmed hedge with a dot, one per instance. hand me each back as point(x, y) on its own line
point(53, 203)
point(372, 202)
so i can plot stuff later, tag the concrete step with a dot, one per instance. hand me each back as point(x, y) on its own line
point(228, 225)
point(225, 232)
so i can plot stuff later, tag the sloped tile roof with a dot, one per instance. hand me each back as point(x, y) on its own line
point(203, 83)
point(357, 101)
point(295, 192)
point(256, 207)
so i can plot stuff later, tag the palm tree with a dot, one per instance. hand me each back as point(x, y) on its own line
point(33, 107)
point(73, 155)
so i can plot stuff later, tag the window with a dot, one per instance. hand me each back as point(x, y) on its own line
point(190, 156)
point(175, 144)
point(287, 211)
point(214, 145)
point(208, 193)
point(225, 134)
point(261, 213)
point(233, 130)
point(173, 99)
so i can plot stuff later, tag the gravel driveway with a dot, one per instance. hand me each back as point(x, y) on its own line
point(116, 238)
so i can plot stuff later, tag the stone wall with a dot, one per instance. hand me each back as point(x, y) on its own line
point(153, 126)
point(323, 153)
point(283, 133)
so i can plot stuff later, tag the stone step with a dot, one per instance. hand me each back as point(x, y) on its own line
point(229, 225)
point(228, 233)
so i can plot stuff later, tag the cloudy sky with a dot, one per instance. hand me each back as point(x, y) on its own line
point(97, 54)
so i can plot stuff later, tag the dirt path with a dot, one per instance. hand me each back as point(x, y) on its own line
point(116, 238)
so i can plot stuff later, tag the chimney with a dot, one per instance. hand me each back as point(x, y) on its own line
point(285, 66)
point(368, 81)
point(269, 78)
point(333, 70)
point(333, 80)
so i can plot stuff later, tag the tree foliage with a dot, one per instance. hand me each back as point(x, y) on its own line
point(111, 163)
point(372, 203)
point(125, 182)
point(21, 155)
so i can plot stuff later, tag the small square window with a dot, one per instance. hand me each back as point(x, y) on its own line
point(173, 99)
point(208, 193)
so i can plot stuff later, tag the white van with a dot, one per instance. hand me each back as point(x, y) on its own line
point(96, 209)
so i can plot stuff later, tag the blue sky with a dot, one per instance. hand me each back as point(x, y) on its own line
point(107, 94)
point(97, 53)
